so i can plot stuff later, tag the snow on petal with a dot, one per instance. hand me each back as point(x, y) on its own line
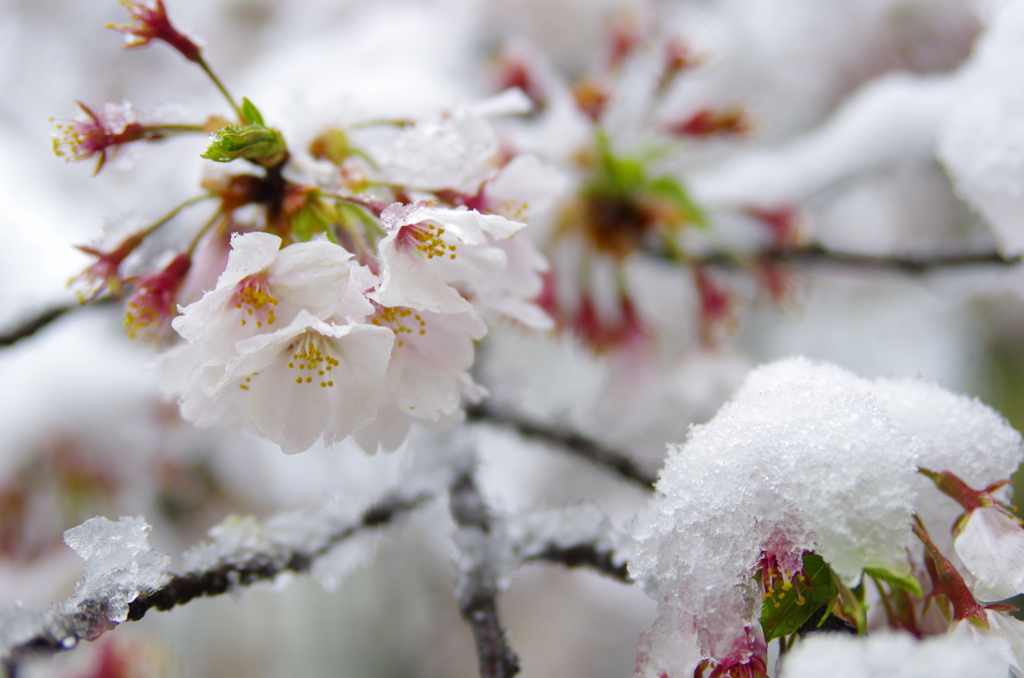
point(763, 469)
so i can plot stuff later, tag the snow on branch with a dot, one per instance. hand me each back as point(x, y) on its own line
point(124, 578)
point(492, 547)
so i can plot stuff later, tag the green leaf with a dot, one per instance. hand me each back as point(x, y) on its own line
point(251, 113)
point(783, 613)
point(252, 142)
point(908, 582)
point(671, 190)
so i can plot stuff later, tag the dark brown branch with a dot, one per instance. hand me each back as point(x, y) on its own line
point(478, 599)
point(816, 254)
point(584, 555)
point(33, 325)
point(572, 442)
point(37, 322)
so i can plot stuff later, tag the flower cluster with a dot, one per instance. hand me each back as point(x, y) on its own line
point(350, 300)
point(308, 341)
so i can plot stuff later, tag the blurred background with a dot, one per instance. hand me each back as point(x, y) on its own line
point(85, 431)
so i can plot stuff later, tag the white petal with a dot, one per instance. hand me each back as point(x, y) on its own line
point(991, 545)
point(250, 254)
point(406, 281)
point(360, 385)
point(292, 415)
point(311, 274)
point(466, 224)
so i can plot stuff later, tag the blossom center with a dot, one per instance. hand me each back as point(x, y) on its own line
point(780, 576)
point(397, 320)
point(254, 299)
point(426, 237)
point(311, 361)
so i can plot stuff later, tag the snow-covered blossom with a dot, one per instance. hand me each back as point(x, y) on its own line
point(760, 479)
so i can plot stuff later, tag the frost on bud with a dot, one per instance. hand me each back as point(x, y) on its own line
point(150, 22)
point(151, 302)
point(254, 142)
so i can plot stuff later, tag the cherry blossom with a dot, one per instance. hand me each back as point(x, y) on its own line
point(433, 258)
point(991, 545)
point(263, 286)
point(99, 132)
point(308, 380)
point(150, 22)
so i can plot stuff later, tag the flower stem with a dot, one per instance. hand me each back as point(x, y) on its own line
point(174, 212)
point(217, 216)
point(165, 130)
point(220, 86)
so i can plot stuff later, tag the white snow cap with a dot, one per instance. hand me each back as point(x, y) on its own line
point(806, 456)
point(119, 564)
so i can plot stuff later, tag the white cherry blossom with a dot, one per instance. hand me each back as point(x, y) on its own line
point(439, 259)
point(991, 545)
point(264, 285)
point(302, 381)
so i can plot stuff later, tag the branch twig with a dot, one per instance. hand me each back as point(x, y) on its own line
point(25, 634)
point(572, 442)
point(816, 254)
point(584, 555)
point(478, 594)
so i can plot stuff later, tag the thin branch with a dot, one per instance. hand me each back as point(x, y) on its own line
point(478, 588)
point(569, 441)
point(26, 634)
point(816, 254)
point(37, 322)
point(588, 555)
point(29, 327)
